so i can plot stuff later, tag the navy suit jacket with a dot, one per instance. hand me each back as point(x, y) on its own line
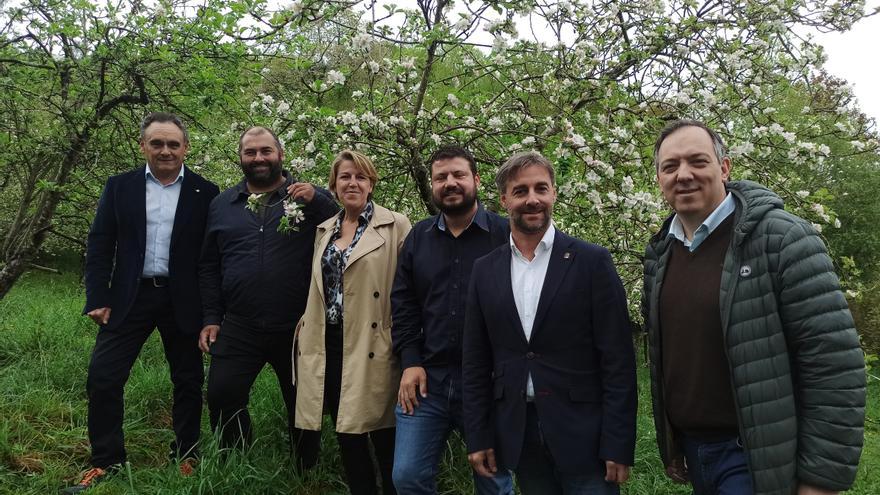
point(117, 242)
point(580, 357)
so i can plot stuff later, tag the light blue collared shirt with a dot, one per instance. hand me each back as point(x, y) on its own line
point(527, 280)
point(161, 206)
point(707, 227)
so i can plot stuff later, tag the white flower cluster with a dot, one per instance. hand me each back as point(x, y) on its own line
point(334, 77)
point(740, 149)
point(302, 164)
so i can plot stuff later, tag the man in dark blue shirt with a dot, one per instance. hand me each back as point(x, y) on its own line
point(428, 303)
point(254, 277)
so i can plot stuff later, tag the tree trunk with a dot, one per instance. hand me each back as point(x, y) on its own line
point(18, 257)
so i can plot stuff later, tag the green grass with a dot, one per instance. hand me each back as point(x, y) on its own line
point(44, 350)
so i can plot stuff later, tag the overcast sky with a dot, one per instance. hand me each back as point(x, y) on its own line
point(855, 56)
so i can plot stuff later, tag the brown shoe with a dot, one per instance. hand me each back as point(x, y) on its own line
point(89, 479)
point(188, 466)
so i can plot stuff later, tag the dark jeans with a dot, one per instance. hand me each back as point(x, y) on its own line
point(421, 440)
point(237, 357)
point(112, 358)
point(360, 473)
point(537, 473)
point(717, 467)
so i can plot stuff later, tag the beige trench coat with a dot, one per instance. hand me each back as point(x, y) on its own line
point(370, 370)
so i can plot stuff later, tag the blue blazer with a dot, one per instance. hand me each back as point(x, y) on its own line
point(117, 240)
point(580, 357)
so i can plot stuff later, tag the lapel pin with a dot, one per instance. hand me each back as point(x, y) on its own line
point(566, 255)
point(198, 190)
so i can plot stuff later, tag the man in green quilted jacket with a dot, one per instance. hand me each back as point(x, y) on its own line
point(757, 377)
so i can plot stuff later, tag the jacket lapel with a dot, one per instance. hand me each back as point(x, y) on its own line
point(561, 258)
point(137, 191)
point(322, 238)
point(185, 201)
point(501, 269)
point(370, 240)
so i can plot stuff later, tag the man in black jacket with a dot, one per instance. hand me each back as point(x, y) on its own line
point(549, 375)
point(254, 279)
point(142, 273)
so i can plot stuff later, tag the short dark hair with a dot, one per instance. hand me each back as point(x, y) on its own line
point(717, 142)
point(258, 129)
point(449, 151)
point(519, 161)
point(163, 117)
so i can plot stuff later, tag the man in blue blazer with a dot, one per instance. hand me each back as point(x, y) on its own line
point(141, 273)
point(548, 366)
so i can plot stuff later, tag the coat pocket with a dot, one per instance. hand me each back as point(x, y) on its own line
point(498, 391)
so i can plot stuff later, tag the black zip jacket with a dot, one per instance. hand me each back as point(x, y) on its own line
point(249, 272)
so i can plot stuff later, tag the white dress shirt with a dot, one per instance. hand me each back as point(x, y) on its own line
point(161, 206)
point(527, 280)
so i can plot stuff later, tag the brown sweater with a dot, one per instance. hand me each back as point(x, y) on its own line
point(696, 377)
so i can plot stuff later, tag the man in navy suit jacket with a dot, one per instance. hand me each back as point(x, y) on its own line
point(549, 369)
point(142, 273)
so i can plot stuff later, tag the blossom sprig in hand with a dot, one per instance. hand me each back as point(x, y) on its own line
point(292, 216)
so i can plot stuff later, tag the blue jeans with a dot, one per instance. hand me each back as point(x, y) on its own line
point(421, 440)
point(536, 473)
point(717, 467)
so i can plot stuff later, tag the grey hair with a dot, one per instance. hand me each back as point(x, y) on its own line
point(163, 117)
point(519, 161)
point(717, 142)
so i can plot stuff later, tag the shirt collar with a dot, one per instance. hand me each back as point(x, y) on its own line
point(365, 217)
point(480, 219)
point(546, 243)
point(721, 212)
point(149, 175)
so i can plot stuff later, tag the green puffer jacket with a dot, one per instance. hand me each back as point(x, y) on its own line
point(797, 369)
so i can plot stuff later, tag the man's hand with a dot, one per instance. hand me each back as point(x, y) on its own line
point(677, 470)
point(413, 383)
point(483, 462)
point(616, 473)
point(302, 190)
point(100, 315)
point(812, 490)
point(208, 337)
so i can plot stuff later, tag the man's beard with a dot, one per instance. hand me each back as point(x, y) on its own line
point(262, 179)
point(533, 228)
point(463, 206)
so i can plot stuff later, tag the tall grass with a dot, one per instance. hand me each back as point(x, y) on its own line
point(44, 351)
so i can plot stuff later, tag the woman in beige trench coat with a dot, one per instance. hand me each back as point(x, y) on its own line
point(343, 358)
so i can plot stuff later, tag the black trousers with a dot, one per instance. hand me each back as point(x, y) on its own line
point(360, 473)
point(112, 358)
point(237, 357)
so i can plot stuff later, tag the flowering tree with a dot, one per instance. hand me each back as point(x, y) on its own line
point(588, 83)
point(76, 79)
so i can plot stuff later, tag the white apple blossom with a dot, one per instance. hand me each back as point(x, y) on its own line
point(334, 77)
